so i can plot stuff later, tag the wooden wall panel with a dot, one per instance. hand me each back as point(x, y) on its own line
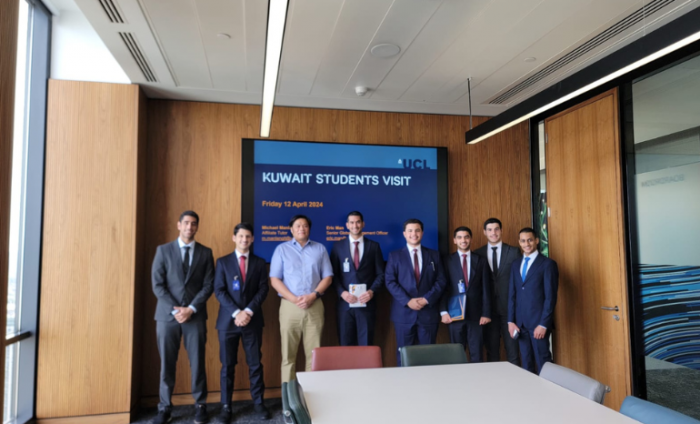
point(8, 59)
point(89, 250)
point(194, 159)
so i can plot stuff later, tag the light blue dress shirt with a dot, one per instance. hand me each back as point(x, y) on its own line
point(301, 268)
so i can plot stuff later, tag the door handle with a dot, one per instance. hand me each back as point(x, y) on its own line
point(608, 308)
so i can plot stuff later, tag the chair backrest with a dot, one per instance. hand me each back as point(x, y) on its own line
point(345, 358)
point(297, 404)
point(574, 381)
point(438, 354)
point(650, 413)
point(287, 413)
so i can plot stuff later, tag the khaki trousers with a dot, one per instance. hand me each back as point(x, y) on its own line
point(296, 323)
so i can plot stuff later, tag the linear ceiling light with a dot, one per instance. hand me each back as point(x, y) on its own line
point(629, 68)
point(276, 21)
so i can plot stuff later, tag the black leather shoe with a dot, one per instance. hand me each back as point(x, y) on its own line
point(225, 414)
point(162, 418)
point(261, 411)
point(201, 416)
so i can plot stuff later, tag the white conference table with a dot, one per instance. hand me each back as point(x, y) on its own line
point(487, 393)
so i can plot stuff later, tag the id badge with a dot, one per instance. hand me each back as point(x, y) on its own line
point(236, 284)
point(461, 286)
point(346, 265)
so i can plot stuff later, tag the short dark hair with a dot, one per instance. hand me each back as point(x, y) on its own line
point(243, 226)
point(193, 214)
point(462, 228)
point(528, 230)
point(296, 217)
point(493, 221)
point(356, 213)
point(413, 221)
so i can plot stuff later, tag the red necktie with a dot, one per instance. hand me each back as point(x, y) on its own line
point(416, 268)
point(356, 257)
point(241, 264)
point(465, 271)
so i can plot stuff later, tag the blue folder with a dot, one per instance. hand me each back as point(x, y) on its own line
point(455, 306)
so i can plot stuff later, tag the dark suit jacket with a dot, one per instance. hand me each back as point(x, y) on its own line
point(251, 295)
point(479, 290)
point(173, 288)
point(500, 282)
point(401, 283)
point(370, 272)
point(531, 303)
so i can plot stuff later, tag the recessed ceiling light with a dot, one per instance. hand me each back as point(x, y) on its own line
point(385, 50)
point(530, 59)
point(223, 35)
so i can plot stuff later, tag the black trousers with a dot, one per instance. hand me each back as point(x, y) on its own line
point(356, 326)
point(468, 334)
point(228, 353)
point(493, 332)
point(168, 335)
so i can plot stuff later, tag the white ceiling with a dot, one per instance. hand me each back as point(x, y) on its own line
point(327, 42)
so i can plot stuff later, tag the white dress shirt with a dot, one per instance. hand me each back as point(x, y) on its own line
point(489, 254)
point(420, 257)
point(360, 247)
point(238, 258)
point(532, 257)
point(182, 256)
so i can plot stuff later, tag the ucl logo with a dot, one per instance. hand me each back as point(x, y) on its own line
point(414, 163)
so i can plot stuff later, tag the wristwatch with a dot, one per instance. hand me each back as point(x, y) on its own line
point(318, 294)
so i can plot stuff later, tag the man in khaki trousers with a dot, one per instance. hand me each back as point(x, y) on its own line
point(301, 272)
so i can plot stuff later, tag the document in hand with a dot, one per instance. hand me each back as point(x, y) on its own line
point(357, 290)
point(455, 306)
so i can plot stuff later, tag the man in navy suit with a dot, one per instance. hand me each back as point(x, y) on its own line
point(532, 296)
point(467, 275)
point(357, 260)
point(241, 286)
point(416, 280)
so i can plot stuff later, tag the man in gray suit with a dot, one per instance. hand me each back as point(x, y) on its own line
point(500, 257)
point(183, 279)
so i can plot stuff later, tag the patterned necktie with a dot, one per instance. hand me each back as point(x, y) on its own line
point(416, 267)
point(241, 264)
point(356, 257)
point(465, 270)
point(186, 261)
point(524, 273)
point(494, 259)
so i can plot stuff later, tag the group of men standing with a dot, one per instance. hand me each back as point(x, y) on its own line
point(508, 295)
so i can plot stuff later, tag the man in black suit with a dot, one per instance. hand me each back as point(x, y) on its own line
point(241, 286)
point(500, 257)
point(357, 260)
point(534, 283)
point(183, 279)
point(467, 275)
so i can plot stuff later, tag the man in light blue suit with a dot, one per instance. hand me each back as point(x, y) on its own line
point(534, 281)
point(416, 280)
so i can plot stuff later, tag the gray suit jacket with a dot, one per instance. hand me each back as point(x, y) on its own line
point(173, 288)
point(500, 281)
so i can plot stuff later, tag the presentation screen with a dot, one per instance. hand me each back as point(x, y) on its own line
point(325, 181)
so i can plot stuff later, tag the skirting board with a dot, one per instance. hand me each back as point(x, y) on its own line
point(124, 418)
point(212, 397)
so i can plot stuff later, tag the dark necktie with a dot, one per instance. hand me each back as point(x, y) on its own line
point(494, 259)
point(416, 267)
point(465, 270)
point(356, 257)
point(186, 261)
point(241, 264)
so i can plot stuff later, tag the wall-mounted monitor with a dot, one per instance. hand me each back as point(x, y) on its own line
point(325, 181)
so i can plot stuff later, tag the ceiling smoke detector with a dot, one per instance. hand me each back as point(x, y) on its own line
point(385, 50)
point(361, 91)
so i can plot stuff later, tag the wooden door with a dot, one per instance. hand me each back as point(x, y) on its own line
point(587, 239)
